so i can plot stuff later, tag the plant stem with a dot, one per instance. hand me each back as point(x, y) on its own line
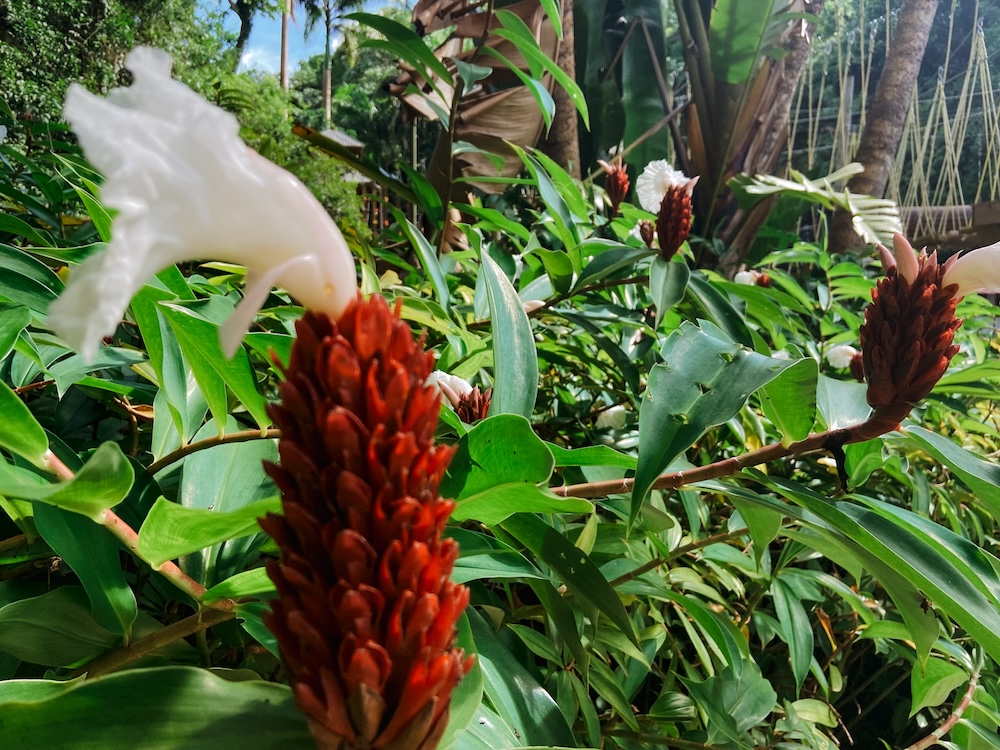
point(878, 424)
point(232, 437)
point(952, 720)
point(128, 537)
point(679, 552)
point(114, 660)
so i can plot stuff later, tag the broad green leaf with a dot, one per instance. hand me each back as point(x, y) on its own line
point(537, 643)
point(559, 267)
point(199, 340)
point(55, 629)
point(515, 376)
point(934, 682)
point(980, 475)
point(797, 630)
point(736, 36)
point(176, 707)
point(764, 525)
point(223, 479)
point(594, 455)
point(254, 582)
point(468, 694)
point(428, 259)
point(93, 554)
point(21, 228)
point(14, 318)
point(625, 365)
point(20, 432)
point(73, 369)
point(734, 701)
point(405, 44)
point(789, 400)
point(172, 530)
point(718, 309)
point(613, 259)
point(546, 104)
point(498, 469)
point(667, 283)
point(514, 692)
point(556, 207)
point(704, 381)
point(642, 99)
point(841, 403)
point(606, 684)
point(575, 568)
point(102, 483)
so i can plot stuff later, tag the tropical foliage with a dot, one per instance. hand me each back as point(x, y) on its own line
point(672, 528)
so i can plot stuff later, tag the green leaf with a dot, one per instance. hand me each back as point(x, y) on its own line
point(199, 340)
point(667, 283)
point(222, 479)
point(515, 381)
point(789, 400)
point(704, 381)
point(614, 258)
point(405, 44)
point(102, 483)
point(605, 682)
point(20, 432)
point(176, 707)
point(14, 318)
point(796, 629)
point(254, 582)
point(735, 700)
point(715, 305)
point(932, 684)
point(981, 476)
point(594, 455)
point(428, 259)
point(497, 470)
point(55, 629)
point(93, 554)
point(172, 530)
point(518, 698)
point(73, 369)
point(736, 35)
point(841, 403)
point(546, 104)
point(575, 568)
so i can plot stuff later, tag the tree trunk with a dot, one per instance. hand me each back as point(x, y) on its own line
point(286, 13)
point(562, 144)
point(245, 13)
point(887, 112)
point(327, 81)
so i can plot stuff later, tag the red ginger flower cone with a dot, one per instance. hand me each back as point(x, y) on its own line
point(616, 183)
point(366, 611)
point(666, 192)
point(907, 337)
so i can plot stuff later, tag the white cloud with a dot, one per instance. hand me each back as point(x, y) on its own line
point(260, 58)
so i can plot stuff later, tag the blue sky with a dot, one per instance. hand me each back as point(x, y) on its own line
point(263, 51)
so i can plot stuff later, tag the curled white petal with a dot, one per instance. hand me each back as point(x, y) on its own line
point(531, 305)
point(976, 271)
point(841, 356)
point(748, 278)
point(654, 182)
point(611, 419)
point(186, 187)
point(452, 387)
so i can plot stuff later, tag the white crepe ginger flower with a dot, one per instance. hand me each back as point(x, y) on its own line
point(840, 356)
point(185, 187)
point(611, 419)
point(657, 179)
point(451, 387)
point(747, 278)
point(531, 305)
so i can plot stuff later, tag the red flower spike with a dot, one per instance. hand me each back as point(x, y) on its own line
point(907, 338)
point(673, 222)
point(616, 183)
point(366, 611)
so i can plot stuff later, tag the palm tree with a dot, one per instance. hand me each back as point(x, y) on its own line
point(330, 13)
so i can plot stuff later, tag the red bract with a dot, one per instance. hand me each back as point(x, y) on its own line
point(906, 340)
point(366, 611)
point(673, 222)
point(616, 183)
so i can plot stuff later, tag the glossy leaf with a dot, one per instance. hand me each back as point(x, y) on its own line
point(704, 381)
point(667, 284)
point(515, 376)
point(176, 707)
point(980, 475)
point(931, 684)
point(14, 318)
point(798, 634)
point(789, 400)
point(20, 432)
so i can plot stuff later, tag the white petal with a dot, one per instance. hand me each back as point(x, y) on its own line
point(186, 187)
point(748, 278)
point(841, 356)
point(652, 185)
point(611, 419)
point(451, 386)
point(976, 271)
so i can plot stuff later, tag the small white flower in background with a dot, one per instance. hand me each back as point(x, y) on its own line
point(3, 133)
point(451, 386)
point(656, 180)
point(840, 356)
point(186, 188)
point(532, 304)
point(780, 354)
point(748, 278)
point(611, 419)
